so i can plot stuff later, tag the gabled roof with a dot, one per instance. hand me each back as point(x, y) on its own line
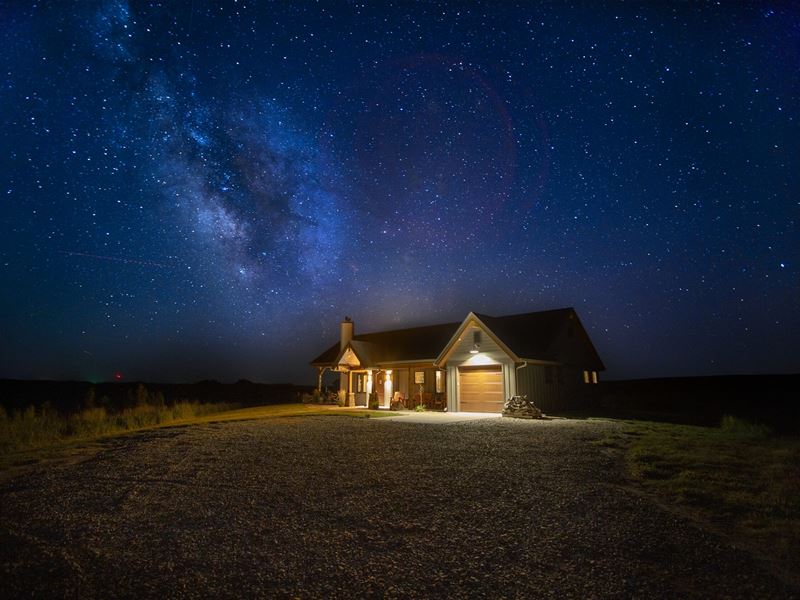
point(530, 336)
point(367, 353)
point(527, 336)
point(399, 345)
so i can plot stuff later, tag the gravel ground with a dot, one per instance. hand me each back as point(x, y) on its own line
point(341, 507)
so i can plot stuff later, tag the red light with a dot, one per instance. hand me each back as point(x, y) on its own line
point(118, 376)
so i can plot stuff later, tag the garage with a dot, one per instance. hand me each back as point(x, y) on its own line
point(481, 389)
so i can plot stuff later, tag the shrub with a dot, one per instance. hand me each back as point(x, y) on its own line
point(88, 422)
point(319, 397)
point(373, 401)
point(30, 428)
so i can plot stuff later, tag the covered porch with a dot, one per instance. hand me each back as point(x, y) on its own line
point(399, 387)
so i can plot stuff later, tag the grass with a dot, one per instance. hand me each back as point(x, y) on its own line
point(33, 435)
point(738, 478)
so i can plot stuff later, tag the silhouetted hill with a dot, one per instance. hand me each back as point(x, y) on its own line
point(769, 399)
point(66, 396)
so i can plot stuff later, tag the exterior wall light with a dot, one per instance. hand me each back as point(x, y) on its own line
point(476, 342)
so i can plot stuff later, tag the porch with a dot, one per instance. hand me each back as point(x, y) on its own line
point(397, 387)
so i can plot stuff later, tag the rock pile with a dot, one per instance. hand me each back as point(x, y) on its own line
point(521, 408)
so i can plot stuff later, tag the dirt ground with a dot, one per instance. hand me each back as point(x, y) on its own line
point(343, 507)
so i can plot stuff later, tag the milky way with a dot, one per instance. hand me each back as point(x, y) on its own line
point(203, 190)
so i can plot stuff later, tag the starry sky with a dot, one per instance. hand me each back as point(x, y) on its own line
point(198, 190)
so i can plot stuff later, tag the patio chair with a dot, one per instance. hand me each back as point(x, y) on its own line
point(398, 402)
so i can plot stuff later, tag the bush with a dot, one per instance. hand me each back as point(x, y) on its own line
point(29, 428)
point(88, 422)
point(373, 401)
point(319, 397)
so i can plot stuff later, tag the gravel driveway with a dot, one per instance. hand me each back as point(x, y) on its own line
point(342, 507)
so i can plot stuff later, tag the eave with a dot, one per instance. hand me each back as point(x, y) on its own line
point(457, 336)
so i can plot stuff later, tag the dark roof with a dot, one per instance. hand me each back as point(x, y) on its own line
point(529, 336)
point(533, 335)
point(416, 343)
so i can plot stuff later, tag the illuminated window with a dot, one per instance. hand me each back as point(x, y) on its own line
point(586, 377)
point(594, 376)
point(439, 382)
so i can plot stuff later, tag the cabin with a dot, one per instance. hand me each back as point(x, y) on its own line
point(468, 366)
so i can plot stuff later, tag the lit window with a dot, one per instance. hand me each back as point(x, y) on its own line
point(439, 382)
point(586, 377)
point(594, 376)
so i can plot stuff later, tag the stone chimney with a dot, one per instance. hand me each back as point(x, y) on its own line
point(346, 332)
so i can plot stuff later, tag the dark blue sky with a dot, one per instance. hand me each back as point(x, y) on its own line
point(203, 190)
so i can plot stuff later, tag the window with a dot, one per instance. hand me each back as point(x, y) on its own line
point(594, 376)
point(586, 377)
point(439, 382)
point(590, 377)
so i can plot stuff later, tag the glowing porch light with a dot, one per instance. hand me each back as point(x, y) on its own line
point(476, 342)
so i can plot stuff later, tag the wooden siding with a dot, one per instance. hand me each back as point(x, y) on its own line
point(489, 355)
point(560, 388)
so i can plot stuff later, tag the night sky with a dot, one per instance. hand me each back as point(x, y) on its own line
point(203, 190)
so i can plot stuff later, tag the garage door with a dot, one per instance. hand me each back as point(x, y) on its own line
point(480, 389)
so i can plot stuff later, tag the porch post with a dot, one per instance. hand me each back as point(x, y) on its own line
point(351, 397)
point(320, 371)
point(387, 389)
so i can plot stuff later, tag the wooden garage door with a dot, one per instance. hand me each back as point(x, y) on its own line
point(480, 389)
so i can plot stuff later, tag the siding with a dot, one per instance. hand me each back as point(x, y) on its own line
point(564, 391)
point(490, 354)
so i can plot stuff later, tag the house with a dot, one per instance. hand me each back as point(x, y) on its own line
point(471, 366)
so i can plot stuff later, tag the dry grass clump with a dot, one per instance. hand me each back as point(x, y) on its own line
point(31, 428)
